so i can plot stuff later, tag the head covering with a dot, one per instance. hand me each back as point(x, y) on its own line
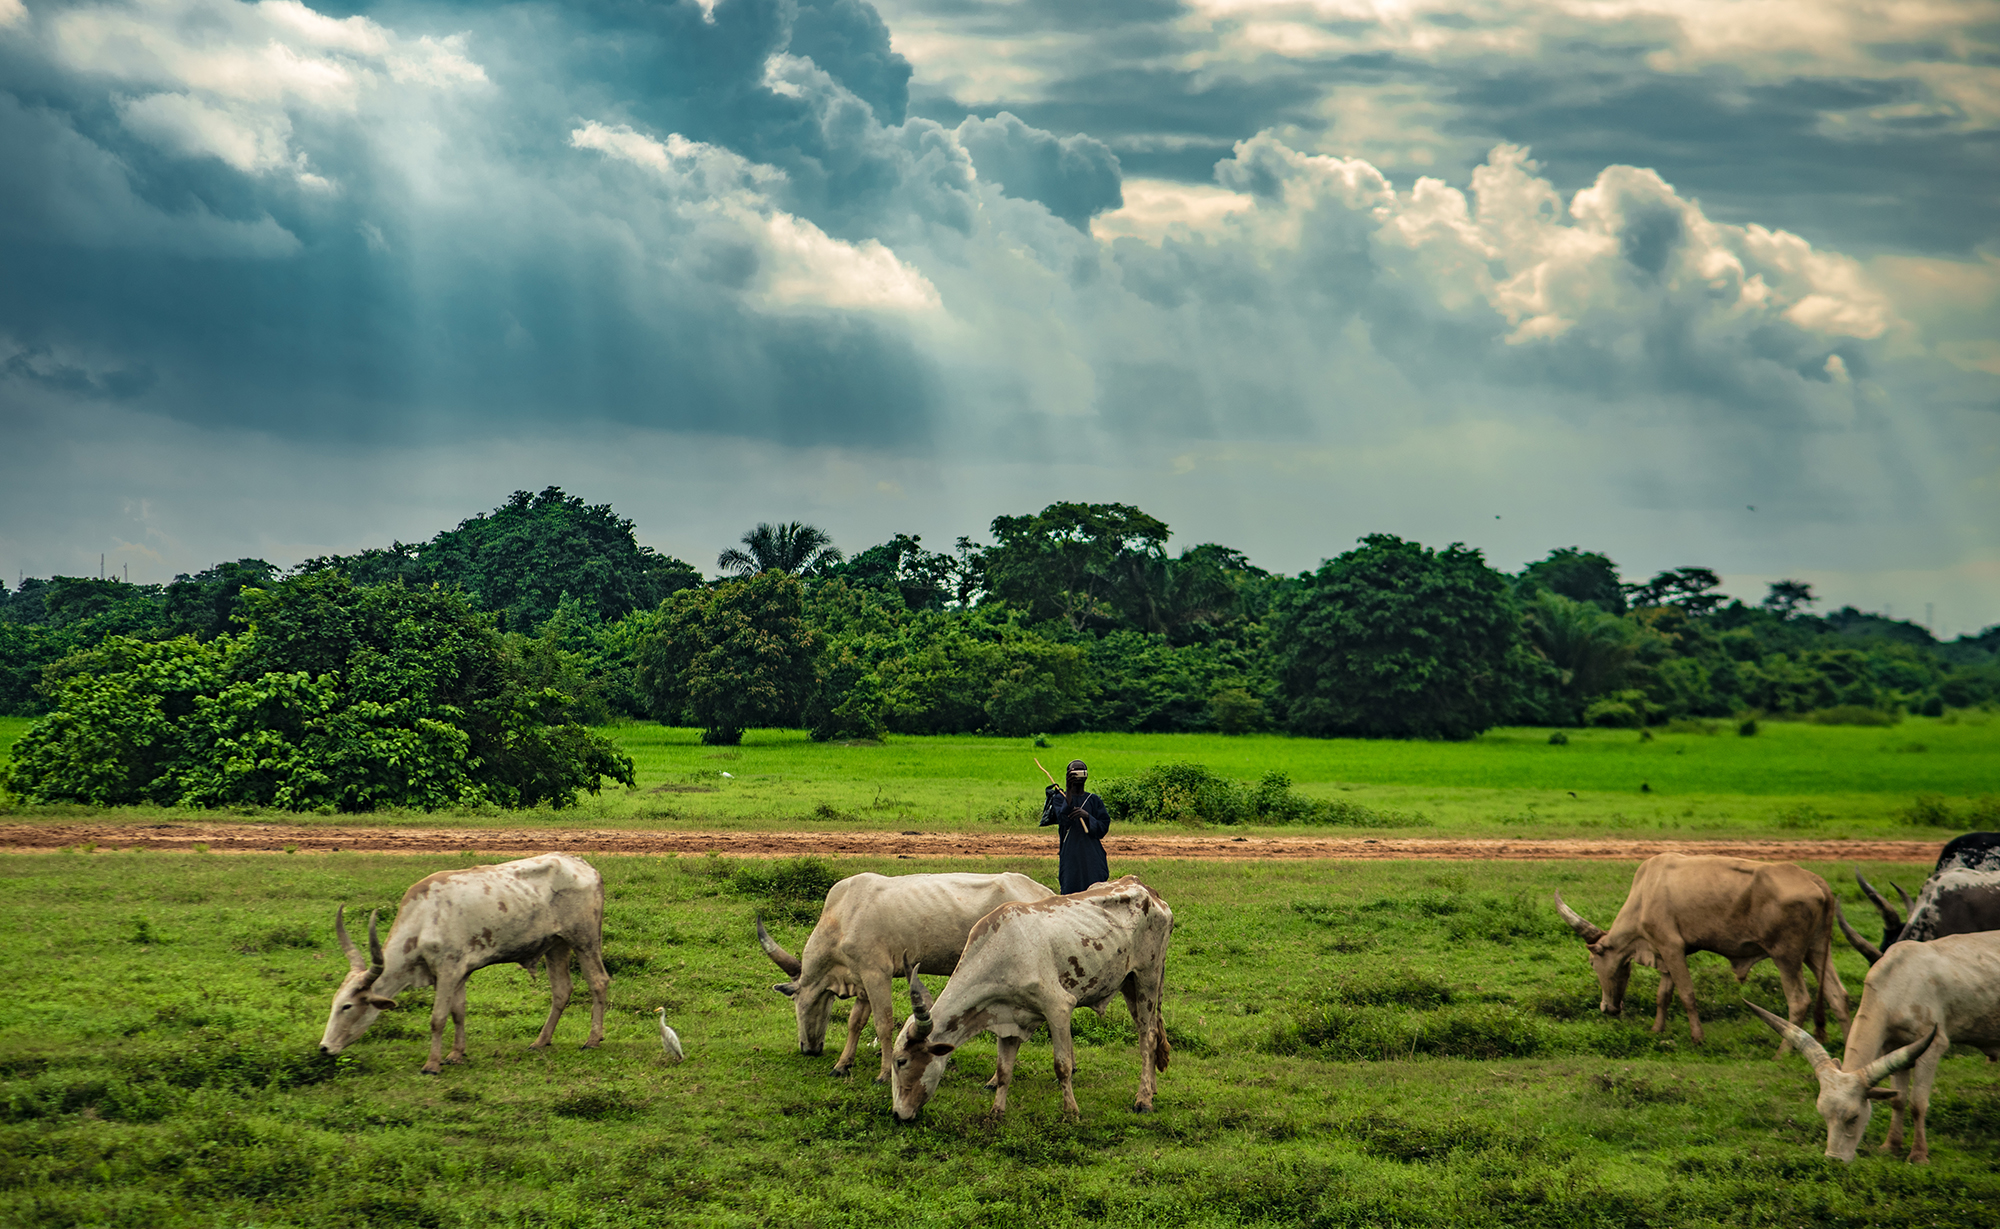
point(1077, 768)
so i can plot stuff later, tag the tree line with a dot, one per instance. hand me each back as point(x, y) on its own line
point(1076, 617)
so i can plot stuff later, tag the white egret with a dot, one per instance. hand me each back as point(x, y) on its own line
point(669, 1039)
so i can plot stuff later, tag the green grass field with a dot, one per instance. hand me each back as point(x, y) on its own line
point(1790, 779)
point(1406, 1044)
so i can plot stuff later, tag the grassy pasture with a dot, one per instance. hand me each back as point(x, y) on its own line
point(1356, 1044)
point(1791, 779)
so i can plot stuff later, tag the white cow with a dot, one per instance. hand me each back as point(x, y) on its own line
point(1924, 998)
point(455, 922)
point(876, 928)
point(1030, 963)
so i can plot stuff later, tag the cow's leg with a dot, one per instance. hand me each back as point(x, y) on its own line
point(1922, 1075)
point(1832, 991)
point(881, 992)
point(559, 986)
point(1065, 1048)
point(457, 1054)
point(1798, 1001)
point(1003, 1072)
point(1674, 964)
point(599, 978)
point(1901, 1083)
point(857, 1015)
point(1664, 997)
point(1145, 1009)
point(449, 983)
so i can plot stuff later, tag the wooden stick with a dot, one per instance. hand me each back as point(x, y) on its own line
point(1045, 772)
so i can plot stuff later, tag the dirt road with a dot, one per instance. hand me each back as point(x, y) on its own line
point(254, 838)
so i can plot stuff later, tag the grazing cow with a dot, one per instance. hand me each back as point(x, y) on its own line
point(455, 922)
point(1741, 910)
point(1962, 896)
point(1924, 998)
point(874, 929)
point(1026, 964)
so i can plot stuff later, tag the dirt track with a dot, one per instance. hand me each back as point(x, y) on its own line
point(253, 838)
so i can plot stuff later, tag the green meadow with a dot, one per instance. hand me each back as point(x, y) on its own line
point(1694, 780)
point(1411, 1044)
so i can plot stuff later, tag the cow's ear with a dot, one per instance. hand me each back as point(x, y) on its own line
point(1881, 1094)
point(940, 1050)
point(790, 989)
point(380, 1003)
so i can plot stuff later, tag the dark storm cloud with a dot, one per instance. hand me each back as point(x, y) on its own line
point(1075, 176)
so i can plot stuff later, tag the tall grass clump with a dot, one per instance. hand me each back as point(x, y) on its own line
point(1187, 793)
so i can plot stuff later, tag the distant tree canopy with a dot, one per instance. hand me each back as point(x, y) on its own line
point(337, 697)
point(1394, 640)
point(521, 558)
point(1077, 617)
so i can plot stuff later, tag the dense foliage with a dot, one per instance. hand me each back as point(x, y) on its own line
point(1075, 617)
point(336, 697)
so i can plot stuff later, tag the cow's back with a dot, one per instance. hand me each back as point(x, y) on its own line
point(907, 920)
point(1718, 903)
point(483, 915)
point(1086, 942)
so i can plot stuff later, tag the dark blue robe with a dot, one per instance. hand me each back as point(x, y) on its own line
point(1081, 830)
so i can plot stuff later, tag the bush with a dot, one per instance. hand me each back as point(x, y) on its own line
point(1928, 810)
point(1191, 794)
point(1558, 739)
point(1613, 714)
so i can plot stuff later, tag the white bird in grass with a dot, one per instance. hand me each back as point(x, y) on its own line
point(669, 1039)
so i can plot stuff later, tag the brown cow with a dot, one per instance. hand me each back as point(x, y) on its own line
point(1741, 910)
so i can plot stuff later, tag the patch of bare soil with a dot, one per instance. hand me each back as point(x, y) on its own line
point(252, 838)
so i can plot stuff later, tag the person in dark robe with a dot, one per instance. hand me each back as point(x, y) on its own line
point(1081, 822)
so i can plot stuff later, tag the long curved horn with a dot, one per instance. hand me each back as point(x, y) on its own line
point(1859, 944)
point(354, 959)
point(1908, 905)
point(1898, 1060)
point(920, 1005)
point(1814, 1053)
point(779, 956)
point(1889, 915)
point(1589, 933)
point(375, 962)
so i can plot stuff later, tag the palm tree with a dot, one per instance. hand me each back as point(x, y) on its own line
point(794, 548)
point(1590, 647)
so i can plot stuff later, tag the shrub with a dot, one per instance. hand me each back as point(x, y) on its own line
point(794, 889)
point(1928, 810)
point(1612, 714)
point(1192, 794)
point(1800, 817)
point(1558, 739)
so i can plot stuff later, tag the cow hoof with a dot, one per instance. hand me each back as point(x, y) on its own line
point(1142, 1109)
point(881, 1079)
point(433, 1070)
point(592, 1045)
point(838, 1074)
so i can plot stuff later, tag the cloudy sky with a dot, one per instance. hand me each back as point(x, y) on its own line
point(1691, 282)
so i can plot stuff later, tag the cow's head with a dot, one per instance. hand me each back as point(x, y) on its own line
point(1612, 962)
point(917, 1064)
point(813, 1000)
point(355, 1004)
point(1846, 1098)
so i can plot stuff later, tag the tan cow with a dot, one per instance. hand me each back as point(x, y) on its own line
point(1026, 964)
point(1921, 997)
point(455, 922)
point(874, 929)
point(1741, 910)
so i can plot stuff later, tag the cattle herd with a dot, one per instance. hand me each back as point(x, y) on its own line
point(1019, 956)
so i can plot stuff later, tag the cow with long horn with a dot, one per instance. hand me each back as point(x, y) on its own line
point(455, 922)
point(1919, 1000)
point(1030, 964)
point(1961, 896)
point(1743, 911)
point(873, 929)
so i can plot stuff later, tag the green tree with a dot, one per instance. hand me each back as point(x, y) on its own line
point(739, 655)
point(925, 580)
point(1591, 647)
point(1688, 589)
point(1081, 563)
point(204, 604)
point(1788, 597)
point(1394, 640)
point(521, 558)
point(336, 697)
point(1579, 575)
point(794, 548)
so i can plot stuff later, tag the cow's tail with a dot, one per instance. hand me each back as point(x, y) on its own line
point(1163, 1050)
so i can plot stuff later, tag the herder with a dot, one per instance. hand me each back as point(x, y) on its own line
point(1082, 821)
